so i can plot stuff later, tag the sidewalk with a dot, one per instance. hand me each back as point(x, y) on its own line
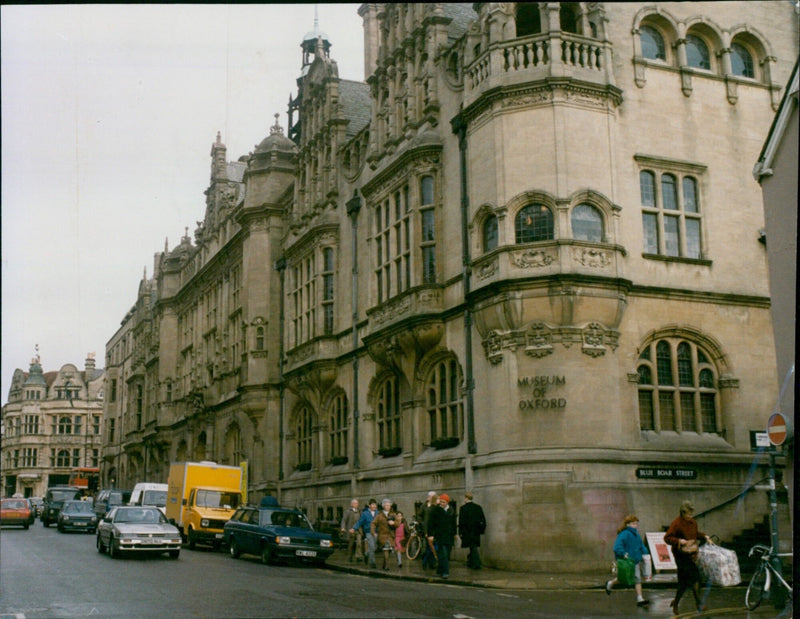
point(487, 577)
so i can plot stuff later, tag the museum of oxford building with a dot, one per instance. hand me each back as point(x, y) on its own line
point(521, 259)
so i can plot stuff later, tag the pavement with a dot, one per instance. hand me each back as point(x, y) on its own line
point(492, 578)
point(487, 577)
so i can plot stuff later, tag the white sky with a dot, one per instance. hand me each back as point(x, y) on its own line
point(108, 117)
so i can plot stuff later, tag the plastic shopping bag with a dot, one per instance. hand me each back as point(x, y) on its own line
point(626, 572)
point(719, 565)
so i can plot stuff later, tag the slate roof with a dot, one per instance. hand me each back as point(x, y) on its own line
point(356, 105)
point(461, 14)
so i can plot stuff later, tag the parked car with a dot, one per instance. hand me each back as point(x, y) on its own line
point(77, 516)
point(274, 532)
point(38, 504)
point(15, 512)
point(137, 529)
point(106, 499)
point(53, 500)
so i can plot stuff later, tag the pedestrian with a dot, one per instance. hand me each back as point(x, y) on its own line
point(629, 545)
point(442, 532)
point(364, 524)
point(471, 525)
point(683, 535)
point(429, 552)
point(382, 529)
point(399, 536)
point(349, 520)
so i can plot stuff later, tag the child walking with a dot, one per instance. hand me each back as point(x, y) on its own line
point(399, 537)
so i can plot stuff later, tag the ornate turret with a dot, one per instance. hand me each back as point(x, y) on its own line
point(314, 44)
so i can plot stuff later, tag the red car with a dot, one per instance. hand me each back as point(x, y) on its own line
point(15, 511)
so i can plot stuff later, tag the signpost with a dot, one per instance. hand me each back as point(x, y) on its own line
point(776, 429)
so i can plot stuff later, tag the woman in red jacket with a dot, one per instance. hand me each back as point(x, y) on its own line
point(683, 536)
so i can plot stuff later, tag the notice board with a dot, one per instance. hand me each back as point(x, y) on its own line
point(661, 552)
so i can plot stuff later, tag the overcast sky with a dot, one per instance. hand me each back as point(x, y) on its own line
point(108, 117)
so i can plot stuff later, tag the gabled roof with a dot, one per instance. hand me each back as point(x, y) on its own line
point(777, 131)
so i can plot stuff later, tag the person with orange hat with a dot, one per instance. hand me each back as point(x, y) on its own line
point(442, 532)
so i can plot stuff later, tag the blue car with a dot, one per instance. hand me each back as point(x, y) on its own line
point(272, 532)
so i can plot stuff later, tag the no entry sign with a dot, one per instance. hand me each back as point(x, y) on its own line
point(776, 429)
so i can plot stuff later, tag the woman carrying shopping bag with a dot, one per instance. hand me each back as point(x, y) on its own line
point(629, 549)
point(684, 537)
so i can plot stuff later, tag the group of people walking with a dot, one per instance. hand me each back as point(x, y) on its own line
point(386, 529)
point(684, 538)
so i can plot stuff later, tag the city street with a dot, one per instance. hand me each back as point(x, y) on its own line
point(46, 574)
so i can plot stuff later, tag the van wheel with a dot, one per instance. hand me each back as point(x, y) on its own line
point(45, 523)
point(234, 549)
point(192, 538)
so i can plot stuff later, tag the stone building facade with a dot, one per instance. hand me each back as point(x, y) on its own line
point(522, 259)
point(51, 423)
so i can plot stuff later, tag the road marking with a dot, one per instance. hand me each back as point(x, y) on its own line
point(507, 595)
point(460, 616)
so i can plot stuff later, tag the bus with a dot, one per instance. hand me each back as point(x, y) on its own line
point(86, 478)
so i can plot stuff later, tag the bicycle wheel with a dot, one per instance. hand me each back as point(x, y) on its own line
point(413, 547)
point(755, 590)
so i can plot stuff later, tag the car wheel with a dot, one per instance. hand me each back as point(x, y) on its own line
point(174, 554)
point(25, 526)
point(113, 552)
point(266, 554)
point(60, 527)
point(234, 549)
point(192, 538)
point(100, 548)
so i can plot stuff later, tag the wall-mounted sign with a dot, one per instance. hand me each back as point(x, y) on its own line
point(759, 441)
point(538, 392)
point(665, 472)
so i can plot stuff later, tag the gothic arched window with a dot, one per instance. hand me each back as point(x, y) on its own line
point(677, 388)
point(444, 404)
point(388, 417)
point(533, 223)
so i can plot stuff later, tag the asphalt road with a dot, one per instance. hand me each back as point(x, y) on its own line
point(46, 574)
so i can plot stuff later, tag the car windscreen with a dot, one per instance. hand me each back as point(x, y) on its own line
point(118, 498)
point(155, 497)
point(139, 516)
point(78, 507)
point(216, 498)
point(288, 519)
point(14, 505)
point(63, 495)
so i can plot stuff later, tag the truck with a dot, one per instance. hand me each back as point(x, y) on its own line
point(201, 498)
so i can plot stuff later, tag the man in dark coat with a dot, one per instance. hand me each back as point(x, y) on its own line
point(471, 525)
point(442, 531)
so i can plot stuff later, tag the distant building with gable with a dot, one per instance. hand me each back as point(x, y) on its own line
point(52, 423)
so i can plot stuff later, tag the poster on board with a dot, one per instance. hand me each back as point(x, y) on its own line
point(660, 552)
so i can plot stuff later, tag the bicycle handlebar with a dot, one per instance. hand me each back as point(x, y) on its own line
point(760, 549)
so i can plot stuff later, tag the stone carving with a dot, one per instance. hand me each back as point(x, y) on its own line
point(488, 269)
point(392, 310)
point(590, 257)
point(492, 346)
point(531, 258)
point(539, 341)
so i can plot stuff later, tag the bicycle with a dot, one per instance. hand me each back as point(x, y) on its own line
point(762, 578)
point(415, 540)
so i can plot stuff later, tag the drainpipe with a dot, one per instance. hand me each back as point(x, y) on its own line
point(353, 208)
point(459, 127)
point(280, 266)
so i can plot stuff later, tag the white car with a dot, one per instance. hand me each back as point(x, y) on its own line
point(137, 529)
